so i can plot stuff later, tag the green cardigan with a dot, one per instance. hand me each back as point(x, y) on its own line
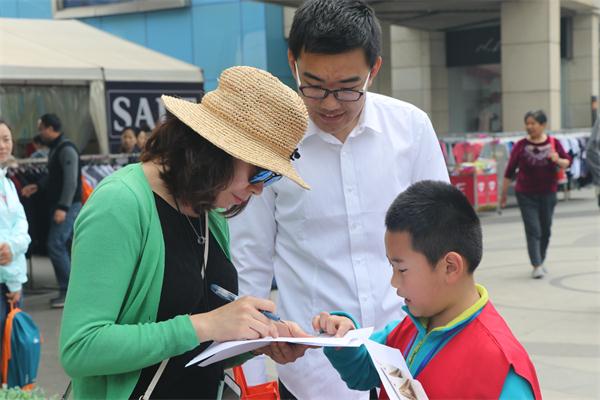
point(109, 330)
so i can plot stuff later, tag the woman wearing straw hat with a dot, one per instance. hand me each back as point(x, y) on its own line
point(152, 238)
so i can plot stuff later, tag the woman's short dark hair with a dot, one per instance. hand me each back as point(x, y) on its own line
point(195, 170)
point(334, 27)
point(129, 128)
point(539, 116)
point(142, 128)
point(3, 122)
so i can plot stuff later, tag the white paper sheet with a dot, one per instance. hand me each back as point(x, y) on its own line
point(221, 351)
point(394, 373)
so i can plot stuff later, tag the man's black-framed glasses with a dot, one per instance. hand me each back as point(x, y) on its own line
point(320, 93)
point(265, 177)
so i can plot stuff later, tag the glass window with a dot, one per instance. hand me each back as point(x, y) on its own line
point(476, 104)
point(67, 9)
point(84, 3)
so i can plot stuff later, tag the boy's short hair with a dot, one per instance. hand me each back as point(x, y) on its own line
point(439, 219)
point(334, 27)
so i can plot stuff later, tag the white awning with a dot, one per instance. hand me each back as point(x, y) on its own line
point(68, 50)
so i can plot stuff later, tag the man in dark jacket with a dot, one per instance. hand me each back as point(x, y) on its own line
point(62, 191)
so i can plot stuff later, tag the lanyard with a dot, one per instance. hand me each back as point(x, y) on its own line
point(433, 351)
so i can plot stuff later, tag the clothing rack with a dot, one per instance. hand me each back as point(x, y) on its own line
point(504, 137)
point(30, 161)
point(107, 157)
point(85, 157)
point(87, 160)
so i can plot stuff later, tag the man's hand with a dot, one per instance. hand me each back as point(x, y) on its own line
point(281, 352)
point(60, 216)
point(5, 254)
point(29, 190)
point(554, 157)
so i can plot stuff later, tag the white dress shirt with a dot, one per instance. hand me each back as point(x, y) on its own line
point(325, 246)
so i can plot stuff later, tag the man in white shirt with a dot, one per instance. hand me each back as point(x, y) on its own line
point(325, 246)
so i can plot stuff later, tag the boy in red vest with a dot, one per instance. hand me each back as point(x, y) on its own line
point(453, 339)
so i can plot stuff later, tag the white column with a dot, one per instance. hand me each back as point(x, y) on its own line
point(530, 61)
point(583, 70)
point(383, 83)
point(411, 66)
point(440, 114)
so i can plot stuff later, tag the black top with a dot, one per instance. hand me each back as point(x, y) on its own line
point(184, 292)
point(54, 183)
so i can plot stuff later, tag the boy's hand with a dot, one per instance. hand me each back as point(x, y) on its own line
point(281, 352)
point(334, 325)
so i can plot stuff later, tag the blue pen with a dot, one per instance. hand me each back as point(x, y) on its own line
point(228, 296)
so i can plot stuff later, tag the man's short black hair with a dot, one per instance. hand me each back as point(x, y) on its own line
point(51, 121)
point(334, 27)
point(439, 219)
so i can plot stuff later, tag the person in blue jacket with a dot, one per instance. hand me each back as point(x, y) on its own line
point(14, 239)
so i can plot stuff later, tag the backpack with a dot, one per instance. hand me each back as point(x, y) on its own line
point(20, 350)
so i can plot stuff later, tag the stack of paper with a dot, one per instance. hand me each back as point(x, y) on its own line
point(389, 362)
point(221, 351)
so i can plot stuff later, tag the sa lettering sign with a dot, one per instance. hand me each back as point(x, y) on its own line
point(138, 104)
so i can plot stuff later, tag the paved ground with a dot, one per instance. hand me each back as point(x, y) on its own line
point(557, 318)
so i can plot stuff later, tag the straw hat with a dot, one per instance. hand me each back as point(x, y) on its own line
point(252, 116)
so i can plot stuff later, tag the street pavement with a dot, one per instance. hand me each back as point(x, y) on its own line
point(556, 318)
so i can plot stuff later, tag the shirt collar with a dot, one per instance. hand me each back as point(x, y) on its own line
point(55, 142)
point(367, 121)
point(461, 319)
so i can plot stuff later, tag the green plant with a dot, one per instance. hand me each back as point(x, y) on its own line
point(20, 394)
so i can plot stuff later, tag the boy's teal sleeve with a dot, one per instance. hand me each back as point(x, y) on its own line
point(516, 388)
point(354, 363)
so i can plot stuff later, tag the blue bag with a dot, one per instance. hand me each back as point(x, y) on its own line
point(20, 350)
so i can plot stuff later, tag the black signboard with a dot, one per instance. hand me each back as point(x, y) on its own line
point(138, 103)
point(483, 46)
point(473, 47)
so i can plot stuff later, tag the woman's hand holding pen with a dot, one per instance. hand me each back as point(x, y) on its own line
point(240, 319)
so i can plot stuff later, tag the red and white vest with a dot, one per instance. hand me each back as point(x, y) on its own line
point(475, 363)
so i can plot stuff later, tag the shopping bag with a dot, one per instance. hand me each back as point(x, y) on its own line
point(265, 391)
point(561, 175)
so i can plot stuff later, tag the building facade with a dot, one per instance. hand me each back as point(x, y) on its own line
point(477, 67)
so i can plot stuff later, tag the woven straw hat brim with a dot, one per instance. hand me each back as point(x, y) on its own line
point(230, 138)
